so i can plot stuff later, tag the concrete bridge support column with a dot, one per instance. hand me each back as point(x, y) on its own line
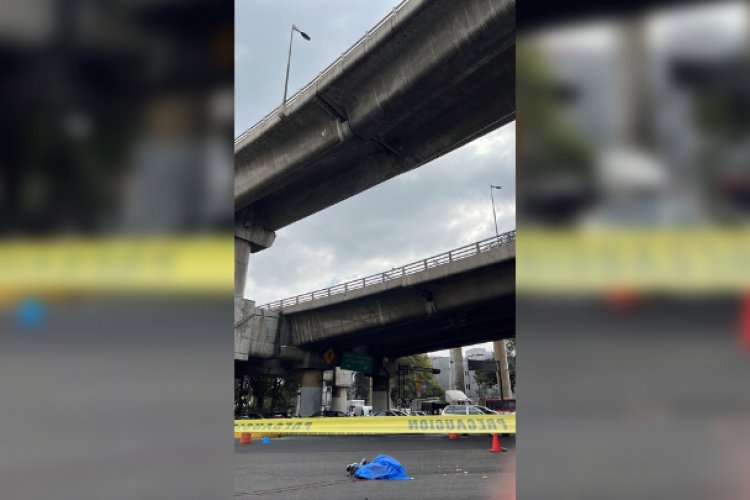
point(242, 307)
point(501, 356)
point(249, 238)
point(338, 401)
point(380, 386)
point(457, 369)
point(241, 261)
point(311, 394)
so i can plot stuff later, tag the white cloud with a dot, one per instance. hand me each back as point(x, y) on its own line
point(241, 52)
point(498, 145)
point(390, 225)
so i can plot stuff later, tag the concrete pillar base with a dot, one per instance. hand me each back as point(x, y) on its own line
point(338, 402)
point(380, 393)
point(311, 393)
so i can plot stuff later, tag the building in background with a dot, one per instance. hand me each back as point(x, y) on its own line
point(471, 387)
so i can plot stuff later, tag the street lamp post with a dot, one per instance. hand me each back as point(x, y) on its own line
point(289, 59)
point(494, 212)
point(501, 353)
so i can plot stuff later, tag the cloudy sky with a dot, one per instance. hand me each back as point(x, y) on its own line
point(440, 206)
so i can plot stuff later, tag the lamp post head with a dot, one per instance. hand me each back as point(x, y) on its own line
point(492, 186)
point(304, 35)
point(282, 111)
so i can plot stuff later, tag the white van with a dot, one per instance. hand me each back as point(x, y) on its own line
point(457, 398)
point(361, 411)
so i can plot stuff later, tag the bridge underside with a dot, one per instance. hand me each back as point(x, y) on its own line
point(482, 322)
point(466, 300)
point(263, 367)
point(440, 74)
point(476, 305)
point(488, 321)
point(358, 163)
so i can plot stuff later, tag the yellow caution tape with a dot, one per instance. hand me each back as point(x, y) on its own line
point(463, 424)
point(195, 264)
point(683, 261)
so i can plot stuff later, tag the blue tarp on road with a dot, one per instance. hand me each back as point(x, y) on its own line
point(382, 467)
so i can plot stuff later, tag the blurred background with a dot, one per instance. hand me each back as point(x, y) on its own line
point(638, 121)
point(115, 248)
point(633, 189)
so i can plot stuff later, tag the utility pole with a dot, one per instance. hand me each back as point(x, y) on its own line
point(503, 374)
point(457, 369)
point(494, 212)
point(289, 61)
point(501, 353)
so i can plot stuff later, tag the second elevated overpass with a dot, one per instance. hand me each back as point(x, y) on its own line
point(453, 299)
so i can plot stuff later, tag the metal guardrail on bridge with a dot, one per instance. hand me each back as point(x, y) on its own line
point(399, 272)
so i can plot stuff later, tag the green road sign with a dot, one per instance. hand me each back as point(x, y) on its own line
point(357, 362)
point(482, 365)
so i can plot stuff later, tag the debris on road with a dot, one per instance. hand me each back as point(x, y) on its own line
point(352, 468)
point(381, 467)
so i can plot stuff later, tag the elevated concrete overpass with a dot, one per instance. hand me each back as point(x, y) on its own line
point(430, 77)
point(449, 300)
point(452, 299)
point(456, 298)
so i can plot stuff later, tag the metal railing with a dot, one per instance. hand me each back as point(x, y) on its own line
point(328, 68)
point(399, 272)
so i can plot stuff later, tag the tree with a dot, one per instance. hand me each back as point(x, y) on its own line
point(510, 346)
point(484, 380)
point(286, 393)
point(558, 178)
point(487, 380)
point(417, 384)
point(261, 393)
point(361, 387)
point(243, 398)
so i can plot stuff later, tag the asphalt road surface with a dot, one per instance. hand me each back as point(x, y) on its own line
point(310, 467)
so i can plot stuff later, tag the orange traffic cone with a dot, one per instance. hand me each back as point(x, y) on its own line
point(245, 438)
point(496, 444)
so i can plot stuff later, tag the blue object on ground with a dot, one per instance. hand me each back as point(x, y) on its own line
point(382, 467)
point(266, 440)
point(31, 313)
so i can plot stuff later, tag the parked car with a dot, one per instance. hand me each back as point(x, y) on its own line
point(468, 410)
point(280, 414)
point(502, 406)
point(389, 413)
point(251, 416)
point(361, 411)
point(329, 413)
